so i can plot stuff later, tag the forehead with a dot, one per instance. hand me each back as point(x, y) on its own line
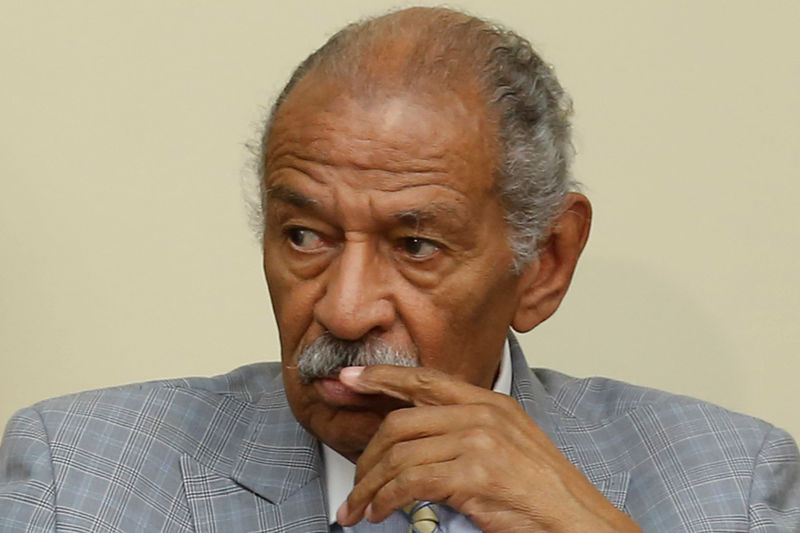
point(399, 138)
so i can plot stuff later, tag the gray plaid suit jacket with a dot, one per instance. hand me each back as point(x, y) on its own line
point(226, 455)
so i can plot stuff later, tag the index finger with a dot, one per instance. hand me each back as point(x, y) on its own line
point(419, 386)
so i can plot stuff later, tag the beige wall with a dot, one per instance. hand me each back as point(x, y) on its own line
point(123, 243)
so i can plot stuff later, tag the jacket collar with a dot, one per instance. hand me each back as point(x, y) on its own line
point(572, 437)
point(270, 483)
point(278, 456)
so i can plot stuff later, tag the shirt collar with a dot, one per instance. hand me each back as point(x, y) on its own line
point(340, 472)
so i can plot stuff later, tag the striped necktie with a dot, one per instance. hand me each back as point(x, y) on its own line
point(422, 517)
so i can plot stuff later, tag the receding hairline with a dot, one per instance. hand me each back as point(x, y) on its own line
point(417, 50)
point(408, 40)
point(404, 53)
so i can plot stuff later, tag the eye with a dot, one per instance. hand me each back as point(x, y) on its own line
point(418, 248)
point(304, 239)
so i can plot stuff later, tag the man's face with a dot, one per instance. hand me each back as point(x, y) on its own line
point(382, 223)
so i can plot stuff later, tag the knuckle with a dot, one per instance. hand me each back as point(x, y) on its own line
point(485, 415)
point(550, 476)
point(395, 458)
point(355, 498)
point(508, 404)
point(479, 439)
point(386, 500)
point(426, 375)
point(392, 422)
point(478, 474)
point(406, 480)
point(355, 494)
point(425, 380)
point(402, 480)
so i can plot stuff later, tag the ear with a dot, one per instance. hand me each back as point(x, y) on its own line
point(543, 283)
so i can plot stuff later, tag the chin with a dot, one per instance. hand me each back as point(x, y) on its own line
point(348, 432)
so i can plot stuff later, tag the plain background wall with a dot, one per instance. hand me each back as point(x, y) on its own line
point(124, 248)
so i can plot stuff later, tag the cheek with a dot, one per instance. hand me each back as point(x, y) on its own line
point(461, 331)
point(435, 321)
point(292, 304)
point(466, 299)
point(301, 399)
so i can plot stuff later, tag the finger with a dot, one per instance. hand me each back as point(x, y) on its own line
point(431, 482)
point(419, 386)
point(419, 422)
point(401, 457)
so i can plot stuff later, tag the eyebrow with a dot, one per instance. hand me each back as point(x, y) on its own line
point(414, 218)
point(290, 196)
point(411, 218)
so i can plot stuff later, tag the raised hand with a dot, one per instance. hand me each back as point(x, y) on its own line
point(472, 449)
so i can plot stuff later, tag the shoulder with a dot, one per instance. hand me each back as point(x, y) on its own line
point(680, 456)
point(245, 384)
point(178, 409)
point(653, 426)
point(598, 401)
point(132, 445)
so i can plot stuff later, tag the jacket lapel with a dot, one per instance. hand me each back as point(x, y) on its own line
point(273, 482)
point(576, 442)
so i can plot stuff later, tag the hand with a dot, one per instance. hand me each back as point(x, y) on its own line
point(472, 449)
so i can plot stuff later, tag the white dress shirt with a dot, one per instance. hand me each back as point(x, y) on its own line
point(340, 475)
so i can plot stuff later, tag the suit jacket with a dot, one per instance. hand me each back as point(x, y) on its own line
point(225, 454)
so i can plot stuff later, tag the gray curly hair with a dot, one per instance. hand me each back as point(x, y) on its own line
point(444, 48)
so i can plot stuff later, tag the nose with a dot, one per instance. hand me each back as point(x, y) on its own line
point(356, 299)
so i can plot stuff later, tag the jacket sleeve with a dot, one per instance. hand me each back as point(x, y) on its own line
point(775, 491)
point(27, 495)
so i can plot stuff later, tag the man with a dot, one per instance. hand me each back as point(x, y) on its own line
point(417, 204)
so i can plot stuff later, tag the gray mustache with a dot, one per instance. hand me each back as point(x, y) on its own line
point(328, 354)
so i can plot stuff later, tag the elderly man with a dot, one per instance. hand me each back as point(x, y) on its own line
point(417, 205)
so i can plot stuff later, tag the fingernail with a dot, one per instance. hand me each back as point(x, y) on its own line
point(368, 513)
point(350, 374)
point(342, 513)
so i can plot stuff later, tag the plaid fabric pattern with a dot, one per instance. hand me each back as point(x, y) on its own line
point(225, 454)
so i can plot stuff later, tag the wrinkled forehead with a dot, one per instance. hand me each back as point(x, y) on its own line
point(387, 128)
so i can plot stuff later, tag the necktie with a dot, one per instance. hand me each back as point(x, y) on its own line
point(422, 517)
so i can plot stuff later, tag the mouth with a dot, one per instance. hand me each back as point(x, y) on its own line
point(337, 394)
